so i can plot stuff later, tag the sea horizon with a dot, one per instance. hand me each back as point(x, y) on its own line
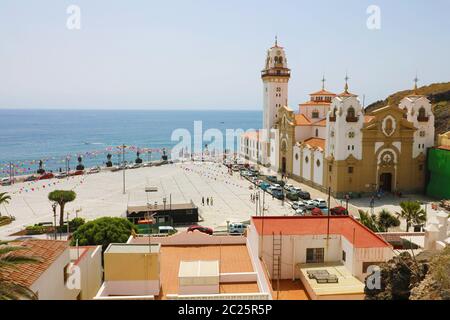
point(51, 135)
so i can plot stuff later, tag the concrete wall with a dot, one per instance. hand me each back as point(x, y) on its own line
point(89, 260)
point(51, 285)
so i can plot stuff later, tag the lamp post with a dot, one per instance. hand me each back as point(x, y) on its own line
point(54, 205)
point(123, 164)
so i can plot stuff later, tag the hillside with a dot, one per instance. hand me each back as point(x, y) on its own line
point(439, 95)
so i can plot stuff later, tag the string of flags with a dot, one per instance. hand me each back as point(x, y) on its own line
point(214, 174)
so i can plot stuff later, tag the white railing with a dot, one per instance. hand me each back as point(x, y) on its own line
point(243, 296)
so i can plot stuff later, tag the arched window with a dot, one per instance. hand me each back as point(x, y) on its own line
point(317, 132)
point(306, 159)
point(422, 115)
point(318, 162)
point(296, 156)
point(351, 112)
point(315, 114)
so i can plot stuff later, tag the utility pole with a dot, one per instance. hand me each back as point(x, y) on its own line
point(124, 167)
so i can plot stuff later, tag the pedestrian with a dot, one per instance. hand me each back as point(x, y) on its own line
point(203, 201)
point(207, 201)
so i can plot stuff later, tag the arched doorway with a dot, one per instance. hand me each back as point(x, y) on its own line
point(283, 165)
point(386, 181)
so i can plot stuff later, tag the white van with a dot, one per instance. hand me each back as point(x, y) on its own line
point(166, 230)
point(236, 228)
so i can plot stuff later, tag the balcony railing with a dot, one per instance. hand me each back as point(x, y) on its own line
point(422, 119)
point(279, 72)
point(352, 119)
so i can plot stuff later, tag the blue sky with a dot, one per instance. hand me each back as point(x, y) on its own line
point(207, 54)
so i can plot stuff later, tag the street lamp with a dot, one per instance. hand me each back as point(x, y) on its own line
point(54, 205)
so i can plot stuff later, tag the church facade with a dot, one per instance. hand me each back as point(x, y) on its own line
point(331, 143)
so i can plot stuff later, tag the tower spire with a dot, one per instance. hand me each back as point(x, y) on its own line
point(346, 82)
point(276, 40)
point(416, 80)
point(323, 82)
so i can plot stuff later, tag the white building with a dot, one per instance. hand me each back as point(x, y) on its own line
point(63, 273)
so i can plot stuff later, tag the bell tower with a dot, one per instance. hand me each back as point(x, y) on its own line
point(275, 77)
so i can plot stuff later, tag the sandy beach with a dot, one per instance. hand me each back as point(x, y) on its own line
point(101, 195)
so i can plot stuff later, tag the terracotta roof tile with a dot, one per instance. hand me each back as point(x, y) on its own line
point(368, 118)
point(352, 230)
point(321, 123)
point(46, 250)
point(315, 142)
point(302, 120)
point(315, 103)
point(322, 93)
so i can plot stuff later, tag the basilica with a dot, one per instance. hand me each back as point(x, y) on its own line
point(330, 143)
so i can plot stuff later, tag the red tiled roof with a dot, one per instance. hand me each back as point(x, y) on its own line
point(315, 142)
point(315, 103)
point(302, 120)
point(322, 93)
point(321, 123)
point(352, 230)
point(444, 147)
point(46, 250)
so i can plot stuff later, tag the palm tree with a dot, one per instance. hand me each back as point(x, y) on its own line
point(413, 213)
point(4, 199)
point(386, 220)
point(8, 289)
point(368, 220)
point(62, 197)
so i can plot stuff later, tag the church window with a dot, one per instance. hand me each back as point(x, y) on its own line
point(351, 112)
point(306, 159)
point(315, 114)
point(330, 168)
point(351, 134)
point(348, 147)
point(318, 162)
point(422, 115)
point(296, 156)
point(421, 167)
point(332, 134)
point(276, 59)
point(422, 133)
point(353, 147)
point(317, 132)
point(350, 170)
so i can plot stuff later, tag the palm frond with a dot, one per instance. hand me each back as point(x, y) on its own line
point(14, 291)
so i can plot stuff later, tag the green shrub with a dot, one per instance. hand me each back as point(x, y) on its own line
point(4, 220)
point(103, 231)
point(36, 229)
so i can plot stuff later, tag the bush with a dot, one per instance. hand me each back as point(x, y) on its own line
point(4, 220)
point(103, 231)
point(75, 223)
point(36, 229)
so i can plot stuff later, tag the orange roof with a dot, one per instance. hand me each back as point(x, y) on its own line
point(346, 226)
point(46, 250)
point(302, 120)
point(315, 142)
point(347, 94)
point(323, 93)
point(321, 123)
point(444, 147)
point(232, 259)
point(315, 103)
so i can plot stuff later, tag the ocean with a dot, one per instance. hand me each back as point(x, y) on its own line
point(28, 136)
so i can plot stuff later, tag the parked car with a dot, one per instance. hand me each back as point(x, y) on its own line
point(46, 176)
point(236, 228)
point(281, 183)
point(76, 173)
point(61, 175)
point(264, 185)
point(288, 187)
point(292, 196)
point(298, 205)
point(304, 195)
point(278, 194)
point(134, 166)
point(235, 168)
point(300, 212)
point(31, 178)
point(201, 229)
point(94, 170)
point(310, 204)
point(316, 212)
point(5, 182)
point(320, 203)
point(338, 211)
point(272, 179)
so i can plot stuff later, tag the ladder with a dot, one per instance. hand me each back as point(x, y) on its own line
point(276, 258)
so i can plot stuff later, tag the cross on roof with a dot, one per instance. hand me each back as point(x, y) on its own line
point(323, 82)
